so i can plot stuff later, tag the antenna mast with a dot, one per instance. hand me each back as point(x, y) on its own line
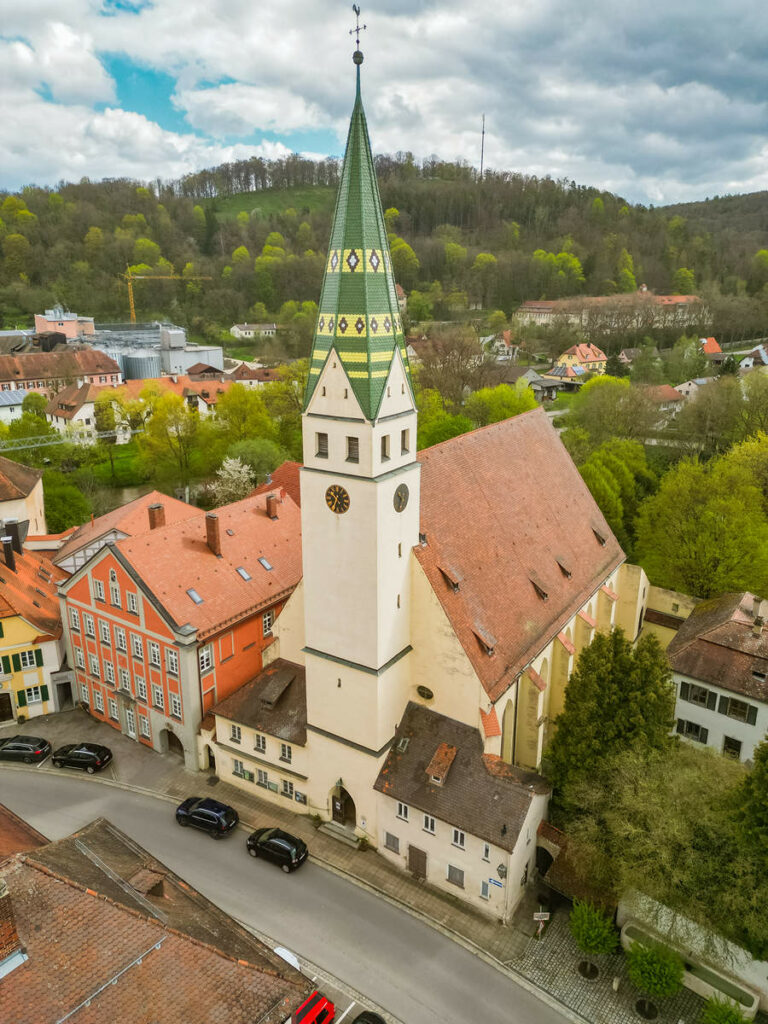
point(482, 149)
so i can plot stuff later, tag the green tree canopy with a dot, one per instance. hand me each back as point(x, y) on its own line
point(490, 405)
point(592, 929)
point(35, 404)
point(242, 415)
point(655, 970)
point(259, 454)
point(609, 407)
point(683, 281)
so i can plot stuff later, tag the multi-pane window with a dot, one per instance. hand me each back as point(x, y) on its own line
point(109, 672)
point(33, 695)
point(79, 659)
point(732, 747)
point(137, 647)
point(141, 688)
point(157, 697)
point(112, 705)
point(485, 889)
point(94, 666)
point(486, 851)
point(90, 629)
point(98, 590)
point(698, 694)
point(120, 639)
point(172, 662)
point(74, 619)
point(27, 659)
point(125, 679)
point(737, 709)
point(429, 824)
point(456, 876)
point(176, 705)
point(132, 602)
point(237, 766)
point(692, 730)
point(288, 789)
point(353, 449)
point(85, 693)
point(104, 633)
point(260, 743)
point(285, 752)
point(205, 658)
point(235, 733)
point(267, 621)
point(262, 778)
point(321, 446)
point(98, 701)
point(402, 811)
point(154, 653)
point(458, 838)
point(144, 726)
point(391, 842)
point(114, 594)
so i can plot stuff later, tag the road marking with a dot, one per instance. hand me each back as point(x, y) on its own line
point(341, 1018)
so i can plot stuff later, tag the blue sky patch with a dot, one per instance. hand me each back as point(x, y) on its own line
point(145, 91)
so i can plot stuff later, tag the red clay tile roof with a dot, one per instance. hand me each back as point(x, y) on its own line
point(70, 400)
point(490, 722)
point(30, 592)
point(566, 643)
point(497, 504)
point(442, 759)
point(586, 353)
point(716, 644)
point(56, 365)
point(286, 476)
point(16, 481)
point(130, 519)
point(262, 373)
point(16, 836)
point(660, 393)
point(710, 346)
point(173, 559)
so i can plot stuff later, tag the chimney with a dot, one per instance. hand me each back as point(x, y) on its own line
point(9, 937)
point(12, 530)
point(212, 535)
point(156, 515)
point(272, 506)
point(756, 604)
point(10, 557)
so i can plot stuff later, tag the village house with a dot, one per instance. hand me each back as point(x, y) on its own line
point(59, 321)
point(712, 350)
point(11, 403)
point(253, 376)
point(21, 496)
point(253, 330)
point(719, 661)
point(164, 623)
point(665, 613)
point(691, 388)
point(667, 400)
point(50, 372)
point(589, 357)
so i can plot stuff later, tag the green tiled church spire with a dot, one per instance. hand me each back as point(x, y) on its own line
point(358, 314)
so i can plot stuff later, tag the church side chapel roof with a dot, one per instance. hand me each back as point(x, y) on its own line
point(274, 702)
point(479, 793)
point(506, 508)
point(358, 313)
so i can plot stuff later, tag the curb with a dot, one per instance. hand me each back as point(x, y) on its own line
point(519, 979)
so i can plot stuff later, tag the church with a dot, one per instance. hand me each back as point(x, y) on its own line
point(445, 596)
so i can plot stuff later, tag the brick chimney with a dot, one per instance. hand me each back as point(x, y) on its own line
point(8, 553)
point(12, 530)
point(272, 506)
point(156, 515)
point(212, 535)
point(9, 937)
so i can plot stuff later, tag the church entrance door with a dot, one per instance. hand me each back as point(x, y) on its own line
point(343, 807)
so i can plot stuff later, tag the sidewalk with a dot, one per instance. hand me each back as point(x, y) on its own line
point(548, 967)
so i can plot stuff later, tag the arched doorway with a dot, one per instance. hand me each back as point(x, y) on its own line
point(343, 807)
point(171, 743)
point(211, 759)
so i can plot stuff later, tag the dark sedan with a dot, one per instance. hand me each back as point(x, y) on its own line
point(280, 847)
point(88, 757)
point(209, 815)
point(368, 1017)
point(29, 749)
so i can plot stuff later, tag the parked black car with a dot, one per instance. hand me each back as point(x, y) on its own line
point(89, 757)
point(368, 1017)
point(280, 847)
point(215, 818)
point(29, 749)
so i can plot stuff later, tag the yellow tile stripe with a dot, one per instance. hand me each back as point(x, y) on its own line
point(337, 261)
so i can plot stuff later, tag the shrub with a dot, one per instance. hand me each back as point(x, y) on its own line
point(655, 970)
point(721, 1011)
point(592, 929)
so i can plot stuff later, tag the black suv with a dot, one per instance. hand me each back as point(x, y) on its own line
point(90, 757)
point(280, 847)
point(209, 815)
point(29, 749)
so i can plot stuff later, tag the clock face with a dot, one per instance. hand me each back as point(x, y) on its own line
point(337, 499)
point(400, 499)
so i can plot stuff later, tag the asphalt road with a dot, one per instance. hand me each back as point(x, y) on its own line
point(419, 975)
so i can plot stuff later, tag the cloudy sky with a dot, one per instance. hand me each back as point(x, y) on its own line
point(660, 102)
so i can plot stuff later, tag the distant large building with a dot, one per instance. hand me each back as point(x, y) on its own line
point(49, 372)
point(59, 321)
point(633, 311)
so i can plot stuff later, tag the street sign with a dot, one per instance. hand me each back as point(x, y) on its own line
point(492, 881)
point(541, 916)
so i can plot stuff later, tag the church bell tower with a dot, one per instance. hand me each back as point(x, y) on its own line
point(359, 500)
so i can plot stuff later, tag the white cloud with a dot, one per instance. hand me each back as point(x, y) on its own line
point(239, 109)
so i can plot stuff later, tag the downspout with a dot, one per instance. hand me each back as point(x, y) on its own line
point(514, 724)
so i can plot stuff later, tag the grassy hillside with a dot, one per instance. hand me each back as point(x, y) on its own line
point(269, 202)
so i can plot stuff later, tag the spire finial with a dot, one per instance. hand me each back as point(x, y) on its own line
point(357, 56)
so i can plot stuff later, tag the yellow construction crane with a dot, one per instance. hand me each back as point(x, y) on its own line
point(130, 278)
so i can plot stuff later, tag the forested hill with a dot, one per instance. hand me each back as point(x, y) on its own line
point(259, 229)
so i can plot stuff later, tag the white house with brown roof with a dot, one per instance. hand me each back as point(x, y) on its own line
point(21, 496)
point(719, 661)
point(253, 330)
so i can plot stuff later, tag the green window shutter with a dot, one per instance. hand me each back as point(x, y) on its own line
point(44, 692)
point(6, 664)
point(21, 697)
point(16, 662)
point(752, 715)
point(723, 709)
point(1, 630)
point(711, 700)
point(38, 657)
point(684, 688)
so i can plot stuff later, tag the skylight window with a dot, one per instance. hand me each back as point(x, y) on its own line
point(243, 572)
point(194, 595)
point(266, 564)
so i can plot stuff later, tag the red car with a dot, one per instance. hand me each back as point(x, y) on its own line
point(315, 1010)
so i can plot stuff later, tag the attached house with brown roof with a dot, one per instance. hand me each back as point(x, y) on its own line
point(168, 618)
point(21, 496)
point(50, 372)
point(93, 928)
point(719, 661)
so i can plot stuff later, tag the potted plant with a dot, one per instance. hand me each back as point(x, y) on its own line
point(721, 1011)
point(657, 972)
point(594, 934)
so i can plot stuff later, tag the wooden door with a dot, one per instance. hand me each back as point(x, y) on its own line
point(6, 709)
point(417, 862)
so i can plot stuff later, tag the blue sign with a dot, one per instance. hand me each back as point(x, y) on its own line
point(492, 881)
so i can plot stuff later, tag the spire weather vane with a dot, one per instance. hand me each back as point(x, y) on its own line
point(357, 57)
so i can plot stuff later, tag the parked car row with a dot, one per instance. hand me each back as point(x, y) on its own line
point(88, 757)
